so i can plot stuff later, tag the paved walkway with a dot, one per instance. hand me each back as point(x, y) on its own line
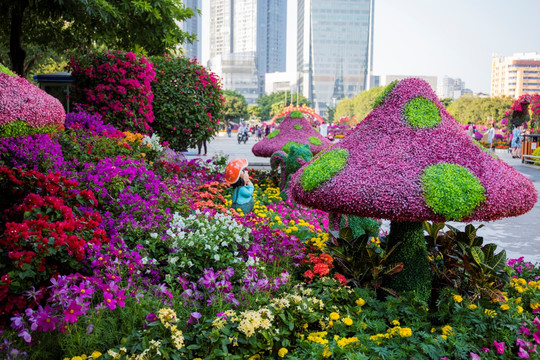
point(519, 236)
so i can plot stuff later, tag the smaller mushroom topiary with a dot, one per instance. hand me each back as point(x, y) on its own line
point(25, 109)
point(288, 163)
point(294, 130)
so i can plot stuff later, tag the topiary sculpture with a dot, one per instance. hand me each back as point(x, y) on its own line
point(294, 130)
point(289, 163)
point(409, 161)
point(25, 109)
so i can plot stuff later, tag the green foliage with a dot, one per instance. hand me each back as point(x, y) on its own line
point(378, 101)
point(60, 26)
point(359, 106)
point(474, 109)
point(362, 259)
point(358, 225)
point(21, 128)
point(536, 152)
point(315, 140)
point(187, 101)
point(296, 114)
point(287, 146)
point(323, 168)
point(298, 126)
point(236, 106)
point(410, 249)
point(5, 70)
point(273, 103)
point(273, 134)
point(460, 260)
point(446, 102)
point(451, 190)
point(422, 113)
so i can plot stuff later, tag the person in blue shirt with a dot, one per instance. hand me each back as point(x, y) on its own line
point(236, 174)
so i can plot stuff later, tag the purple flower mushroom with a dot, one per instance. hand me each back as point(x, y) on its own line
point(294, 130)
point(409, 161)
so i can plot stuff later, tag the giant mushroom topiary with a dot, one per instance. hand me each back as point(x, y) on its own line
point(409, 161)
point(25, 109)
point(293, 130)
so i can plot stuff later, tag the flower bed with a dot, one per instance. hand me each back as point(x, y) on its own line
point(114, 246)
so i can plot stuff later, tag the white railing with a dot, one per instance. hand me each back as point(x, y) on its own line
point(531, 159)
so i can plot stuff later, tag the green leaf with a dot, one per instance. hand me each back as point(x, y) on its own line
point(499, 261)
point(346, 234)
point(478, 255)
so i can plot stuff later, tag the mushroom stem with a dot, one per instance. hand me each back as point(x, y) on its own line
point(412, 252)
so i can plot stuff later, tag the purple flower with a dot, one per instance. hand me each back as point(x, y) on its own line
point(72, 312)
point(522, 353)
point(475, 356)
point(89, 329)
point(499, 346)
point(45, 320)
point(26, 336)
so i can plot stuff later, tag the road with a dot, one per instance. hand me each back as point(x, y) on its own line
point(519, 236)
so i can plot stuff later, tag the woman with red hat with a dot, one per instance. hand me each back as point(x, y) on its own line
point(237, 175)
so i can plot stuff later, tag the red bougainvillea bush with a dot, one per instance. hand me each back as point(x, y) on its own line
point(117, 86)
point(294, 130)
point(25, 109)
point(411, 153)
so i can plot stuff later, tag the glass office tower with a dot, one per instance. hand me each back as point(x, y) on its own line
point(334, 49)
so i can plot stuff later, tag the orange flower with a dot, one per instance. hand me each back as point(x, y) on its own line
point(326, 258)
point(321, 269)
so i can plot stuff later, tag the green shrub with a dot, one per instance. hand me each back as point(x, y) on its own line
point(5, 70)
point(188, 105)
point(378, 101)
point(298, 126)
point(536, 153)
point(21, 128)
point(422, 113)
point(296, 114)
point(451, 190)
point(315, 140)
point(323, 168)
point(273, 134)
point(287, 146)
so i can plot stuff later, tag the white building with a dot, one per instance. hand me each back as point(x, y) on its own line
point(515, 75)
point(451, 88)
point(280, 81)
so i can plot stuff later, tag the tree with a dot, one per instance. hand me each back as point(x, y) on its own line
point(278, 100)
point(476, 109)
point(36, 27)
point(359, 106)
point(446, 102)
point(235, 106)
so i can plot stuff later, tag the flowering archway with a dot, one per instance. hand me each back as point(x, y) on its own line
point(525, 108)
point(304, 109)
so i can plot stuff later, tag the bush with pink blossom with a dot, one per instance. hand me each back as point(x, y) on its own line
point(116, 85)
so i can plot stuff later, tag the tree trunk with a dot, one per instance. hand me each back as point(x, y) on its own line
point(16, 52)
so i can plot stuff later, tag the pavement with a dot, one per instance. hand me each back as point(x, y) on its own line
point(519, 236)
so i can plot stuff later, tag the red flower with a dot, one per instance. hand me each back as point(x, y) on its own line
point(341, 279)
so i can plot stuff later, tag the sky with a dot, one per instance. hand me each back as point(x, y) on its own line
point(456, 38)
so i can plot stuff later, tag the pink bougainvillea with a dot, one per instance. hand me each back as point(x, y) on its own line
point(386, 157)
point(115, 85)
point(293, 129)
point(20, 100)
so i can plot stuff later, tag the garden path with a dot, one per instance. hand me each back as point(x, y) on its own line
point(519, 236)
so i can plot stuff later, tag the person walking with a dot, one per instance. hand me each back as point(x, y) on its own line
point(516, 140)
point(229, 129)
point(201, 144)
point(490, 136)
point(470, 130)
point(323, 129)
point(266, 130)
point(259, 133)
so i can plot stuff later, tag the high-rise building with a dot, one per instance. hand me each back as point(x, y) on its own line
point(247, 40)
point(515, 75)
point(194, 26)
point(451, 88)
point(334, 49)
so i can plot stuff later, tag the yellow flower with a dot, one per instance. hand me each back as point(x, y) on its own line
point(472, 306)
point(519, 309)
point(535, 306)
point(505, 307)
point(334, 316)
point(255, 357)
point(96, 354)
point(360, 302)
point(457, 298)
point(77, 358)
point(447, 330)
point(282, 352)
point(348, 321)
point(491, 313)
point(395, 322)
point(405, 332)
point(518, 300)
point(326, 353)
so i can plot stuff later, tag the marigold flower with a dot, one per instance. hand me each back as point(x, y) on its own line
point(360, 302)
point(334, 316)
point(348, 321)
point(282, 352)
point(505, 307)
point(405, 332)
point(472, 306)
point(457, 298)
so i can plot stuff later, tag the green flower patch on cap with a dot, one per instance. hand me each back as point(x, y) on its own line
point(273, 134)
point(378, 101)
point(315, 141)
point(296, 114)
point(298, 126)
point(323, 168)
point(287, 146)
point(451, 190)
point(422, 113)
point(5, 70)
